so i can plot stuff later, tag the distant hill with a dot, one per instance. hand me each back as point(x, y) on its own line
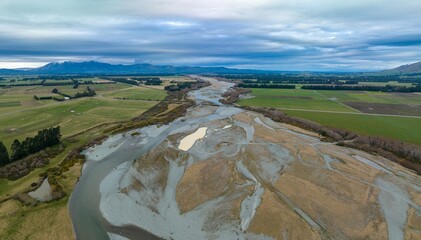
point(9, 71)
point(404, 69)
point(93, 67)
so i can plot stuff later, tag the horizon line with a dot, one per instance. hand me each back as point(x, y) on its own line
point(23, 68)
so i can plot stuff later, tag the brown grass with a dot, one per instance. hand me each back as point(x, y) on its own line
point(201, 182)
point(275, 220)
point(414, 223)
point(340, 202)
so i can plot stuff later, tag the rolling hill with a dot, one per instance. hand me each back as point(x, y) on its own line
point(404, 69)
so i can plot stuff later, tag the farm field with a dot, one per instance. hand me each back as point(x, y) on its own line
point(293, 98)
point(367, 113)
point(13, 80)
point(22, 116)
point(145, 93)
point(404, 129)
point(20, 98)
point(373, 97)
point(394, 83)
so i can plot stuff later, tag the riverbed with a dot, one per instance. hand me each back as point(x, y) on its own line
point(123, 149)
point(224, 173)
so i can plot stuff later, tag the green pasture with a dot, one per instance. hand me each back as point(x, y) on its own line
point(400, 128)
point(393, 83)
point(73, 116)
point(324, 99)
point(292, 98)
point(142, 93)
point(373, 97)
point(22, 116)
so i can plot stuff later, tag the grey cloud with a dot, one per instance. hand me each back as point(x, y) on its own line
point(267, 34)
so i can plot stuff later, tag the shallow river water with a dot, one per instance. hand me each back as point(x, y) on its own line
point(84, 209)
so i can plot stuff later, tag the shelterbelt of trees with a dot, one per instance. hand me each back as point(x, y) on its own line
point(89, 92)
point(177, 86)
point(136, 80)
point(320, 78)
point(149, 80)
point(57, 82)
point(45, 138)
point(265, 85)
point(339, 87)
point(387, 88)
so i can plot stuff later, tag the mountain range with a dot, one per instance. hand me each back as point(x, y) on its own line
point(93, 67)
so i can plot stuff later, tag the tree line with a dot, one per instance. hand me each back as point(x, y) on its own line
point(4, 155)
point(123, 80)
point(292, 81)
point(352, 85)
point(149, 80)
point(155, 82)
point(317, 78)
point(45, 138)
point(76, 83)
point(186, 85)
point(387, 88)
point(44, 83)
point(233, 95)
point(264, 85)
point(42, 98)
point(89, 92)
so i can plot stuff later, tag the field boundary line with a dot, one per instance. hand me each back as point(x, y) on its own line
point(336, 101)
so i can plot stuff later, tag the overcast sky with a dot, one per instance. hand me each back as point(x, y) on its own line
point(325, 35)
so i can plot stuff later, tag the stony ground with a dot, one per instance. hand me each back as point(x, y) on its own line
point(250, 177)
